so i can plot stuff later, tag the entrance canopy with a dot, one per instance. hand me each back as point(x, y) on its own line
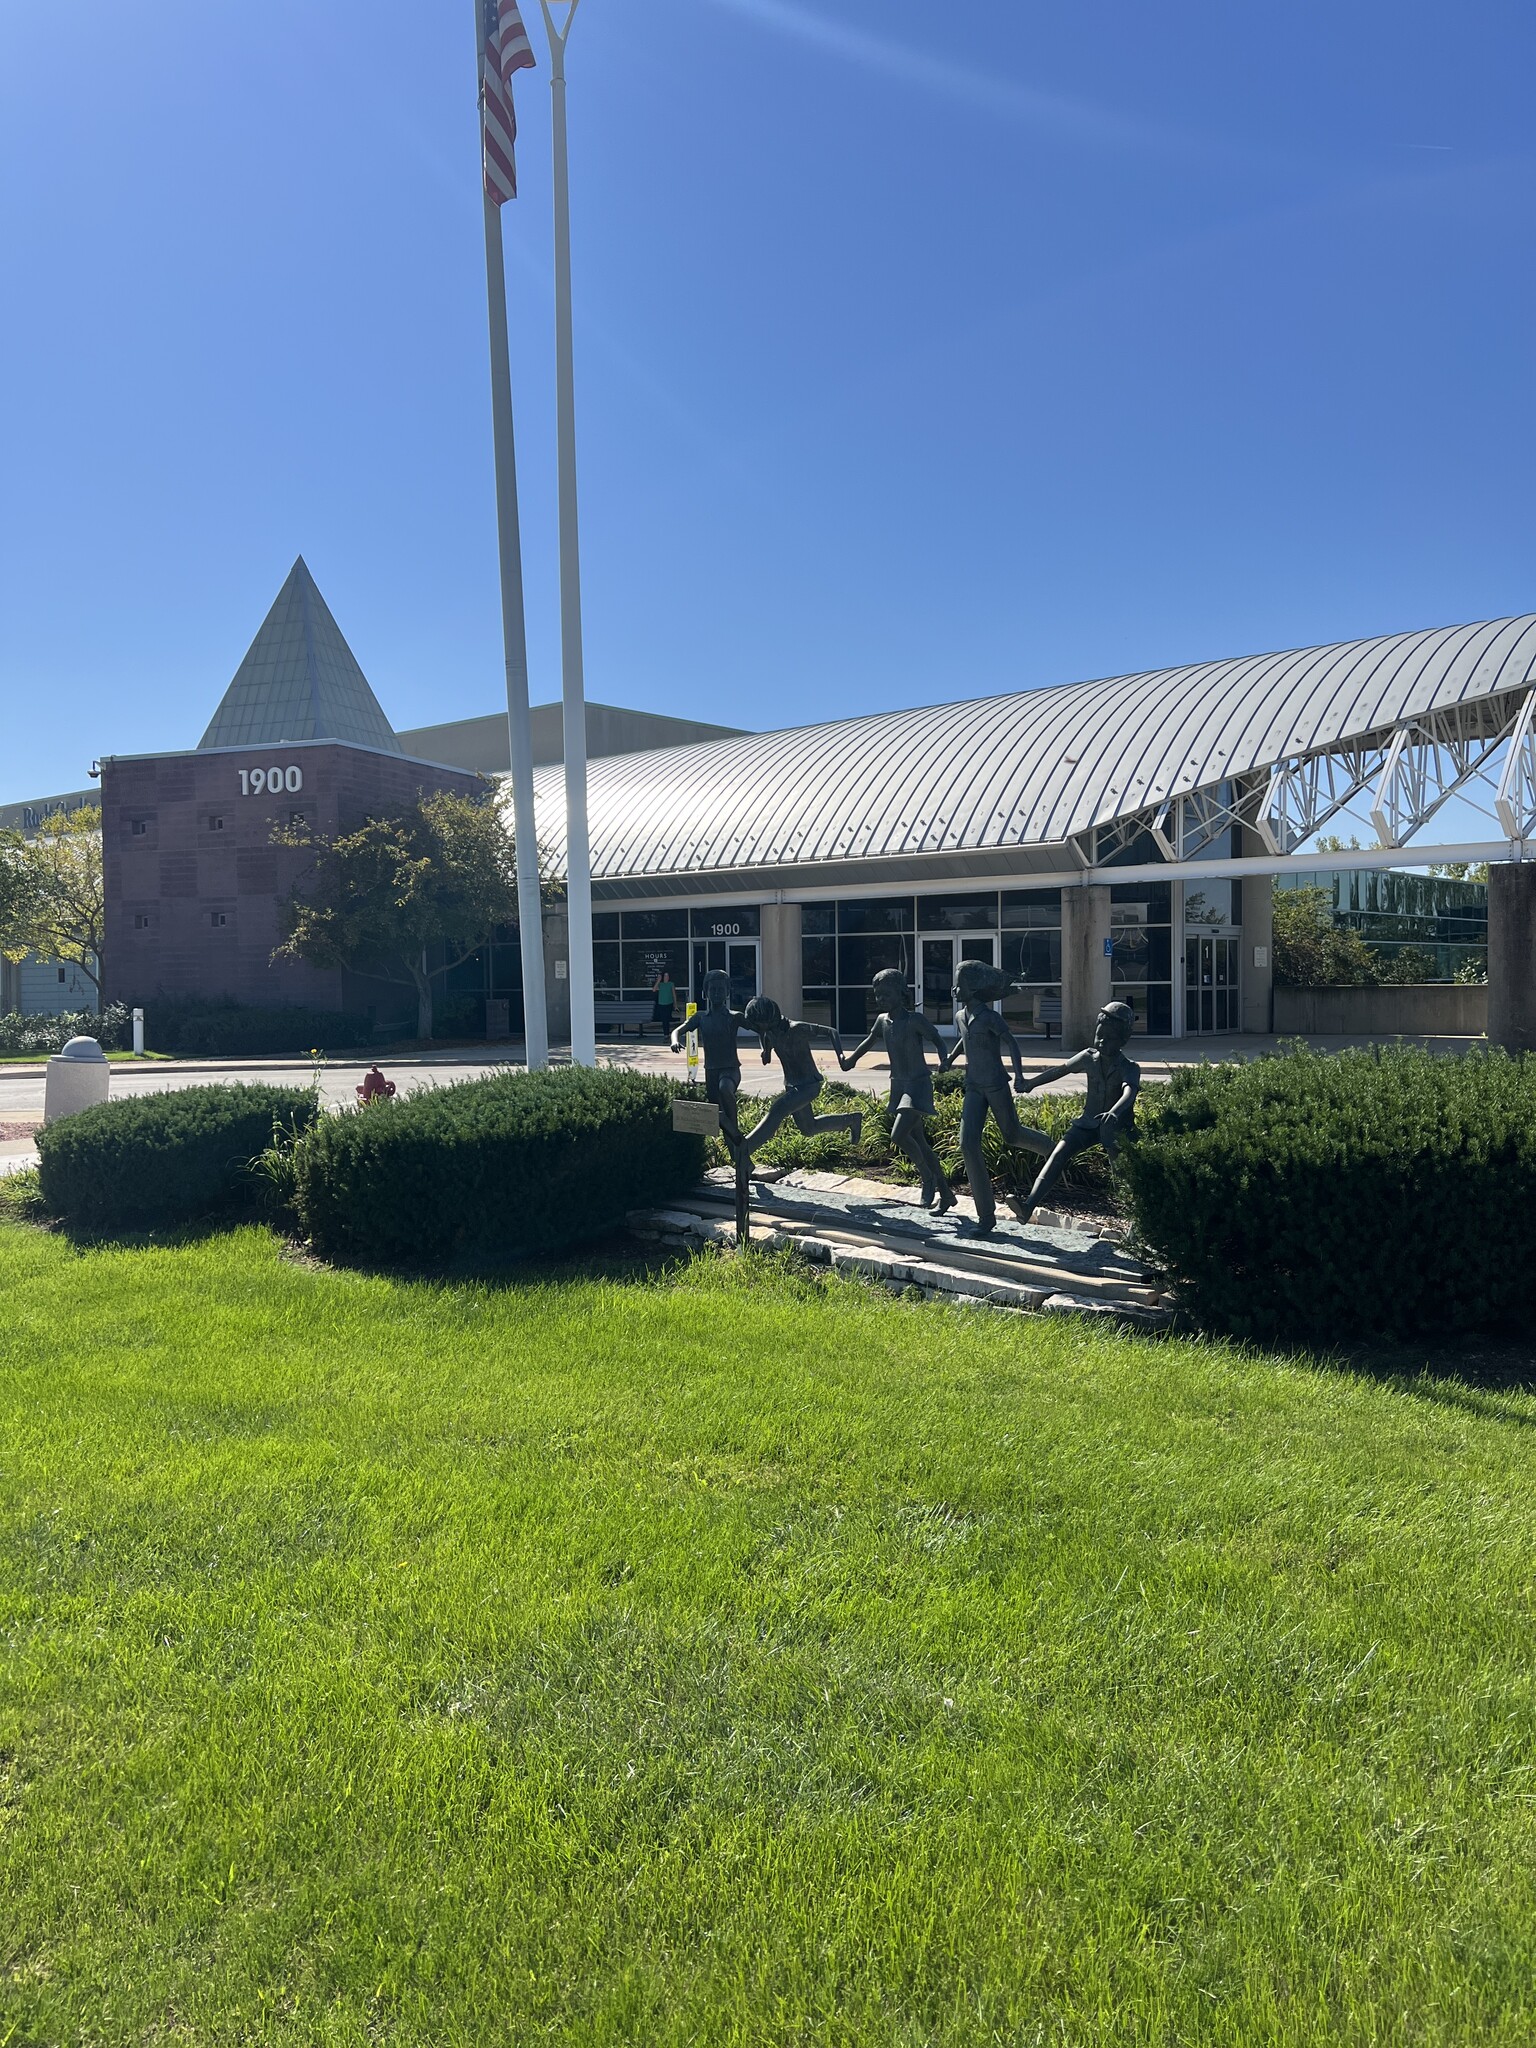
point(1153, 770)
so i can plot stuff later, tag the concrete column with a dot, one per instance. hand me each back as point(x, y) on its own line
point(1258, 941)
point(1084, 962)
point(557, 974)
point(1512, 954)
point(781, 956)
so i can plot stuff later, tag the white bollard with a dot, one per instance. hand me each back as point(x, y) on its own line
point(77, 1079)
point(138, 1031)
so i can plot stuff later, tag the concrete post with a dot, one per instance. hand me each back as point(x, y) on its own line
point(557, 974)
point(1084, 962)
point(781, 956)
point(1258, 943)
point(1512, 954)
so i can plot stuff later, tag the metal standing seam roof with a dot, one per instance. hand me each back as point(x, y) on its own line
point(299, 681)
point(1027, 769)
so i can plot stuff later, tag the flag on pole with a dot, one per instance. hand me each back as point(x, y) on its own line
point(507, 49)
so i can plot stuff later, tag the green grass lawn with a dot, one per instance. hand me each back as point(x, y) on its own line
point(727, 1658)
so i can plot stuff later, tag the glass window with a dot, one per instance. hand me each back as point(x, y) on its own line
point(875, 914)
point(853, 1011)
point(861, 959)
point(818, 962)
point(1155, 898)
point(816, 918)
point(817, 1004)
point(1032, 956)
point(605, 968)
point(654, 924)
point(744, 922)
point(1151, 1005)
point(605, 924)
point(1142, 953)
point(642, 963)
point(1208, 903)
point(957, 913)
point(1026, 907)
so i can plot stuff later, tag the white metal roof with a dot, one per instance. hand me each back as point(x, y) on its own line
point(1030, 769)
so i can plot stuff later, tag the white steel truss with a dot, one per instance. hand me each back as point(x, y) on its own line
point(1483, 752)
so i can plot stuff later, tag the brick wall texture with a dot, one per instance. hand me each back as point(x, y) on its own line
point(194, 885)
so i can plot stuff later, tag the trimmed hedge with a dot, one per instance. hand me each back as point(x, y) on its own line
point(175, 1157)
point(490, 1170)
point(218, 1030)
point(1376, 1193)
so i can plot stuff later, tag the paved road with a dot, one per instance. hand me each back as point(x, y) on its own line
point(21, 1088)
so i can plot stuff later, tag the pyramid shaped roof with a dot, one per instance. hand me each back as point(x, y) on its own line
point(299, 681)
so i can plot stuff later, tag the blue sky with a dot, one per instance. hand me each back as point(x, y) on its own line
point(922, 351)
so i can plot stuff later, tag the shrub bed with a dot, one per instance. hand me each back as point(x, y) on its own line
point(1381, 1192)
point(112, 1028)
point(176, 1157)
point(490, 1169)
point(195, 1030)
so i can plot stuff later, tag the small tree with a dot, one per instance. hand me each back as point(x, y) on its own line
point(377, 899)
point(1311, 951)
point(53, 899)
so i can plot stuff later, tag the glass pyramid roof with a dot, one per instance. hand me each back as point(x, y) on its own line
point(299, 681)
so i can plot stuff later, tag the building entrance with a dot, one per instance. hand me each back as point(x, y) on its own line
point(739, 959)
point(1212, 997)
point(938, 956)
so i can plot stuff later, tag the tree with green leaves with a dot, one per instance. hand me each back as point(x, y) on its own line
point(1311, 951)
point(53, 899)
point(379, 899)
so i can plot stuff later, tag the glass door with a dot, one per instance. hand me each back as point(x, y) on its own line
point(938, 956)
point(1212, 1000)
point(739, 959)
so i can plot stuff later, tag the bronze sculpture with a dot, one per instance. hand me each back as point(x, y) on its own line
point(902, 1031)
point(981, 1041)
point(716, 1027)
point(803, 1082)
point(1109, 1114)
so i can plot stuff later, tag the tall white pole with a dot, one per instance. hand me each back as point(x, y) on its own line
point(578, 857)
point(514, 631)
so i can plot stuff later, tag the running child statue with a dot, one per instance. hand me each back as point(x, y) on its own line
point(1109, 1114)
point(982, 1037)
point(904, 1032)
point(715, 1027)
point(794, 1045)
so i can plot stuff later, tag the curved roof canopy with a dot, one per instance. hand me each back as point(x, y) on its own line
point(1032, 769)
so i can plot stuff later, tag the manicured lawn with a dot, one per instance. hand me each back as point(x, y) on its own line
point(695, 1661)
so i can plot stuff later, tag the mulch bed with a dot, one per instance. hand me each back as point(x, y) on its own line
point(23, 1129)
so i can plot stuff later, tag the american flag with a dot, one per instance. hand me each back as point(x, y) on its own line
point(506, 50)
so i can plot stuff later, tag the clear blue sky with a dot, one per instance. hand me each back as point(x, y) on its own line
point(922, 351)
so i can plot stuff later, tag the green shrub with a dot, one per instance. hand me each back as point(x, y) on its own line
point(175, 1157)
point(112, 1028)
point(492, 1169)
point(1382, 1192)
point(194, 1029)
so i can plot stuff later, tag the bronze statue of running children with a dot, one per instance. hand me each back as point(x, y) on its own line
point(716, 1027)
point(803, 1081)
point(903, 1032)
point(981, 1039)
point(1109, 1114)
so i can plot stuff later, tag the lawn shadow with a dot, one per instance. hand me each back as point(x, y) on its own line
point(1473, 1373)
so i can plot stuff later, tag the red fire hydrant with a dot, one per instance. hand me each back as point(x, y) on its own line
point(372, 1085)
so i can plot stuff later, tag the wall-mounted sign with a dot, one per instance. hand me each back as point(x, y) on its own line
point(270, 781)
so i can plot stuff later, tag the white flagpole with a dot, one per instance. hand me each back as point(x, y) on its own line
point(578, 858)
point(514, 630)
